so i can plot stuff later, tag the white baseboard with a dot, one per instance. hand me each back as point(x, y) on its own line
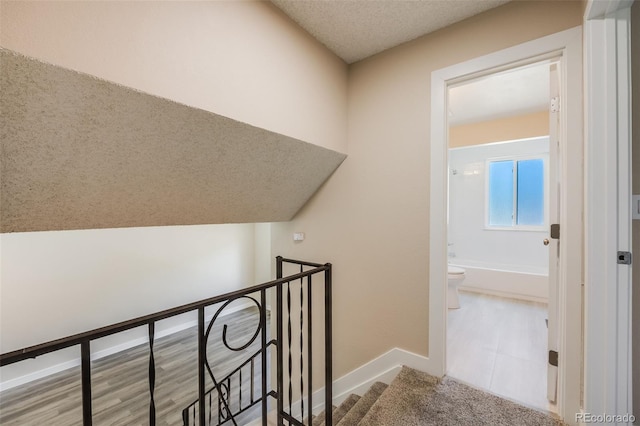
point(384, 369)
point(42, 373)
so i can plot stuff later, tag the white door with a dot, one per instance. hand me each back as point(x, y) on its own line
point(552, 241)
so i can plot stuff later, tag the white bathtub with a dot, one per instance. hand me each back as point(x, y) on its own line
point(522, 282)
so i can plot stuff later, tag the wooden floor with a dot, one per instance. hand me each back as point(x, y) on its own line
point(499, 344)
point(121, 385)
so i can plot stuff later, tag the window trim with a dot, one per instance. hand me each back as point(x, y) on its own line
point(544, 156)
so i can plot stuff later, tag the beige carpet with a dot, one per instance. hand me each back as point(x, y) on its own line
point(415, 398)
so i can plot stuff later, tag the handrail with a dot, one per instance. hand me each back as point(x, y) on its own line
point(205, 368)
point(77, 339)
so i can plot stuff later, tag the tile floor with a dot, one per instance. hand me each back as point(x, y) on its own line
point(499, 344)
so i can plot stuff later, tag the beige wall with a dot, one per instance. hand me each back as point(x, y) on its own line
point(371, 218)
point(241, 59)
point(635, 69)
point(501, 129)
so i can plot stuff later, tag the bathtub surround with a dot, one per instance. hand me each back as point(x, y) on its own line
point(504, 280)
point(504, 261)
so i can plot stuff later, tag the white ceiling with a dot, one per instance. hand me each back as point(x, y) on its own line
point(357, 29)
point(520, 91)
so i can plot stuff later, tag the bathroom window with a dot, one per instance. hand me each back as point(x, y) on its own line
point(515, 193)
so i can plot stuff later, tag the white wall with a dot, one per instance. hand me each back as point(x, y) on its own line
point(471, 240)
point(54, 284)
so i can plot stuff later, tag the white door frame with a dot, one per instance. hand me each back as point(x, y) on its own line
point(569, 45)
point(608, 372)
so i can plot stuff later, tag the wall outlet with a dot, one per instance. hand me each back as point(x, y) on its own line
point(635, 207)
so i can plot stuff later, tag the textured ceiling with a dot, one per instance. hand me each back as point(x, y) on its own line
point(515, 92)
point(82, 153)
point(356, 29)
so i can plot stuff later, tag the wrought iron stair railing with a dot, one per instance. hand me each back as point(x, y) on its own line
point(222, 402)
point(220, 406)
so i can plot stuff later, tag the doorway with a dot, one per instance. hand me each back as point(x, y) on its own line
point(567, 46)
point(499, 212)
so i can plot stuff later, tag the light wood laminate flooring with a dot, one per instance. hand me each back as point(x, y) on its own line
point(120, 384)
point(500, 345)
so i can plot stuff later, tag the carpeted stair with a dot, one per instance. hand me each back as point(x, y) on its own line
point(418, 399)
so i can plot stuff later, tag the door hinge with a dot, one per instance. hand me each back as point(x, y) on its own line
point(553, 358)
point(555, 231)
point(624, 258)
point(554, 105)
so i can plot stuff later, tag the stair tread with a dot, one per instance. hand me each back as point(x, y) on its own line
point(319, 419)
point(343, 409)
point(360, 408)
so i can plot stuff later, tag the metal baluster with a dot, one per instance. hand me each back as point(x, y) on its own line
point(220, 413)
point(201, 361)
point(279, 341)
point(152, 376)
point(185, 417)
point(240, 389)
point(227, 400)
point(210, 406)
point(301, 346)
point(290, 358)
point(309, 353)
point(252, 381)
point(328, 350)
point(85, 353)
point(263, 325)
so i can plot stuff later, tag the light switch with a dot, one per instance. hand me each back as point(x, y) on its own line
point(298, 236)
point(635, 207)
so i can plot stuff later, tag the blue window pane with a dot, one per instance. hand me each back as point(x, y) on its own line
point(530, 206)
point(501, 193)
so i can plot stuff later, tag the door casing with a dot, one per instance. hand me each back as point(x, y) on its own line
point(568, 45)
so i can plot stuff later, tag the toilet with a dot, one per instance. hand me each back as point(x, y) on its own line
point(455, 276)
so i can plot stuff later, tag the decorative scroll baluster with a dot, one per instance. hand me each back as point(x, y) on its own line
point(290, 363)
point(152, 376)
point(301, 346)
point(309, 353)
